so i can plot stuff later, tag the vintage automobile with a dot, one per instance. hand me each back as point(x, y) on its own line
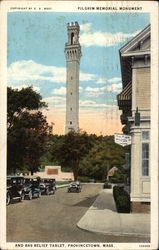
point(32, 187)
point(15, 189)
point(48, 186)
point(74, 187)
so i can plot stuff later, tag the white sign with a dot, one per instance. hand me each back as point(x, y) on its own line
point(122, 139)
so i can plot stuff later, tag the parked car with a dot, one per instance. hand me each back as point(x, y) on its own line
point(52, 183)
point(32, 187)
point(74, 187)
point(15, 189)
point(48, 186)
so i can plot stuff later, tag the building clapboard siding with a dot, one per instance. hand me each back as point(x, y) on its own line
point(143, 89)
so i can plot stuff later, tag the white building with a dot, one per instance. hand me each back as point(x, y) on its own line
point(73, 55)
point(135, 68)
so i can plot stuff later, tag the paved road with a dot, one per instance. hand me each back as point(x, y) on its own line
point(53, 218)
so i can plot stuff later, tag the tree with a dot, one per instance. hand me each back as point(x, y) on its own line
point(87, 155)
point(20, 100)
point(70, 149)
point(27, 131)
point(36, 135)
point(103, 155)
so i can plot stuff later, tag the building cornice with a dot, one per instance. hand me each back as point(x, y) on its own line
point(134, 50)
point(139, 53)
point(142, 36)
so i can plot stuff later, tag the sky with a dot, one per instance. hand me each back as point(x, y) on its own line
point(35, 56)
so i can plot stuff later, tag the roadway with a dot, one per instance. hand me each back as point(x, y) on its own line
point(53, 218)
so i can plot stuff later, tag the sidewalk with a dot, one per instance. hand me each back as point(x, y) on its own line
point(102, 217)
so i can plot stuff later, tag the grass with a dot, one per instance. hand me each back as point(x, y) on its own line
point(61, 182)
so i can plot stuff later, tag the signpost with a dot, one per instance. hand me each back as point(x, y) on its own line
point(122, 139)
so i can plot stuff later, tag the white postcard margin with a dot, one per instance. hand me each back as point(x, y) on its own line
point(79, 6)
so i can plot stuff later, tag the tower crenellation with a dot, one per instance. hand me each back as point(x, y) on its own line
point(73, 33)
point(73, 55)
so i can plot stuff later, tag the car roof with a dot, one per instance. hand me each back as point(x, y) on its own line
point(29, 177)
point(48, 179)
point(13, 176)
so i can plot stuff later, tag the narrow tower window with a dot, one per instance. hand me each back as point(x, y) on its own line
point(72, 36)
point(71, 109)
point(71, 93)
point(70, 122)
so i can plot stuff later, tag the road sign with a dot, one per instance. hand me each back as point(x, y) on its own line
point(122, 139)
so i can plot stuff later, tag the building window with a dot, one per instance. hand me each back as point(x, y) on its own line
point(145, 153)
point(70, 122)
point(71, 109)
point(71, 93)
point(145, 135)
point(72, 38)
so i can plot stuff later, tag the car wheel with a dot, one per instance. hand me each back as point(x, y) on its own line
point(22, 196)
point(8, 199)
point(47, 191)
point(30, 196)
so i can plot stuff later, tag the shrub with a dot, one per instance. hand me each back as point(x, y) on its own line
point(107, 185)
point(122, 199)
point(115, 180)
point(118, 177)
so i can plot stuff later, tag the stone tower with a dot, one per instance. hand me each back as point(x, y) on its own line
point(73, 55)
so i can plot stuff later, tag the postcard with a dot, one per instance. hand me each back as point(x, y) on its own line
point(79, 124)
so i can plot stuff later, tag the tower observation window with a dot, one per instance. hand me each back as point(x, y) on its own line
point(72, 36)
